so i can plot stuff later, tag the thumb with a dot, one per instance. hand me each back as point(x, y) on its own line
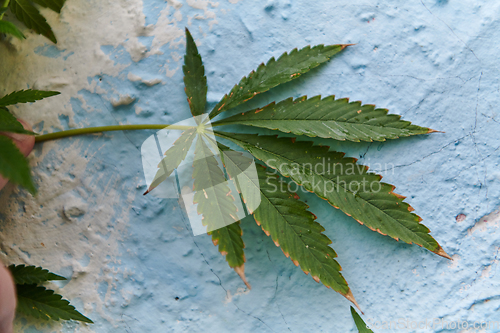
point(7, 301)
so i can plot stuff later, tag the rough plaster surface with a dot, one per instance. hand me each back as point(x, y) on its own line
point(133, 264)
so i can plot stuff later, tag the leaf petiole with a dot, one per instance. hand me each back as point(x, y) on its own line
point(90, 130)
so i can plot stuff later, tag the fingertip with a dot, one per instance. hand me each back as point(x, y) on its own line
point(26, 146)
point(7, 300)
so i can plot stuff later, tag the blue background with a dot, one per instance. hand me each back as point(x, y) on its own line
point(432, 61)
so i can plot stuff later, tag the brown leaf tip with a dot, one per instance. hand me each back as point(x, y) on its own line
point(351, 298)
point(346, 45)
point(434, 131)
point(442, 253)
point(241, 272)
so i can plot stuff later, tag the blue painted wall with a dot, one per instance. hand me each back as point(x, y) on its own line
point(432, 61)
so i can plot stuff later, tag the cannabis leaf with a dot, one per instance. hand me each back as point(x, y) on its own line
point(275, 72)
point(32, 275)
point(195, 80)
point(360, 324)
point(31, 17)
point(345, 184)
point(230, 242)
point(55, 5)
point(238, 167)
point(328, 118)
point(26, 96)
point(293, 228)
point(215, 203)
point(173, 158)
point(40, 302)
point(9, 28)
point(9, 123)
point(286, 219)
point(13, 165)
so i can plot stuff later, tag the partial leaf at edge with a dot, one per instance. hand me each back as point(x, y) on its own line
point(32, 275)
point(195, 80)
point(55, 5)
point(9, 123)
point(288, 67)
point(31, 17)
point(173, 158)
point(284, 217)
point(14, 166)
point(26, 96)
point(328, 118)
point(43, 303)
point(9, 28)
point(372, 203)
point(215, 203)
point(360, 324)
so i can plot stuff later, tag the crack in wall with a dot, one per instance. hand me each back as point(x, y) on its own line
point(213, 272)
point(276, 292)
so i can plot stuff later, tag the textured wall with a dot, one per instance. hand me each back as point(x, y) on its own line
point(134, 265)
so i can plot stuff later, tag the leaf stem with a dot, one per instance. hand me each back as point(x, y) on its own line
point(90, 130)
point(5, 5)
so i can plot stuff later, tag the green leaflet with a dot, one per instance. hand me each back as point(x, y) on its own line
point(14, 166)
point(275, 72)
point(45, 304)
point(26, 96)
point(216, 205)
point(195, 81)
point(328, 118)
point(345, 184)
point(293, 228)
point(32, 274)
point(9, 123)
point(31, 17)
point(173, 158)
point(9, 28)
point(38, 301)
point(55, 5)
point(231, 245)
point(237, 166)
point(360, 324)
